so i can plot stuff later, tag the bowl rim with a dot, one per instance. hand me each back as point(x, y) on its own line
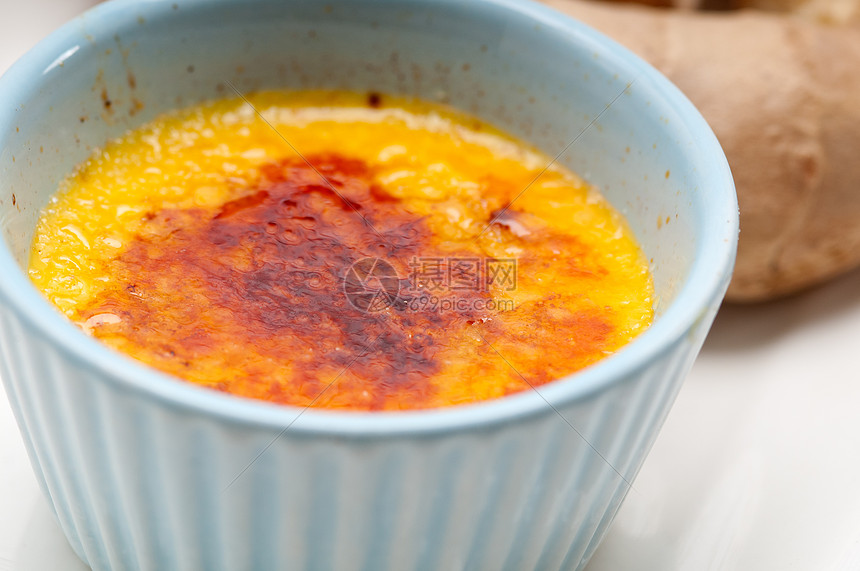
point(701, 292)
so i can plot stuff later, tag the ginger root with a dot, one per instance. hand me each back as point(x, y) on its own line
point(822, 11)
point(783, 97)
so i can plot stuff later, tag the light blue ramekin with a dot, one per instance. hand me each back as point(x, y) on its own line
point(146, 472)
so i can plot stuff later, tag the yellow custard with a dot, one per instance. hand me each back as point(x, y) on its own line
point(341, 250)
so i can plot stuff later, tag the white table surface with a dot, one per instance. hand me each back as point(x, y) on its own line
point(757, 467)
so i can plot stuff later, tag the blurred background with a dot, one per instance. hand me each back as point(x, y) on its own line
point(756, 468)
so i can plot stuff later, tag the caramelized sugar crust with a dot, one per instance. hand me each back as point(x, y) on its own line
point(300, 287)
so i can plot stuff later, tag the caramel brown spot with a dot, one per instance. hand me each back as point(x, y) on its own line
point(258, 287)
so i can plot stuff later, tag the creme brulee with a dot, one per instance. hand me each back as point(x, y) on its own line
point(349, 251)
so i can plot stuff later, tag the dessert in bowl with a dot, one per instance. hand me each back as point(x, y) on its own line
point(144, 471)
point(408, 257)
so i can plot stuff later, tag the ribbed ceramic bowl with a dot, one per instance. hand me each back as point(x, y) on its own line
point(146, 472)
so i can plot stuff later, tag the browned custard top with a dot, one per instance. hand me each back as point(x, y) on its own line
point(322, 280)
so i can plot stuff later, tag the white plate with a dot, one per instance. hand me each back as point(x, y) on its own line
point(758, 464)
point(757, 467)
